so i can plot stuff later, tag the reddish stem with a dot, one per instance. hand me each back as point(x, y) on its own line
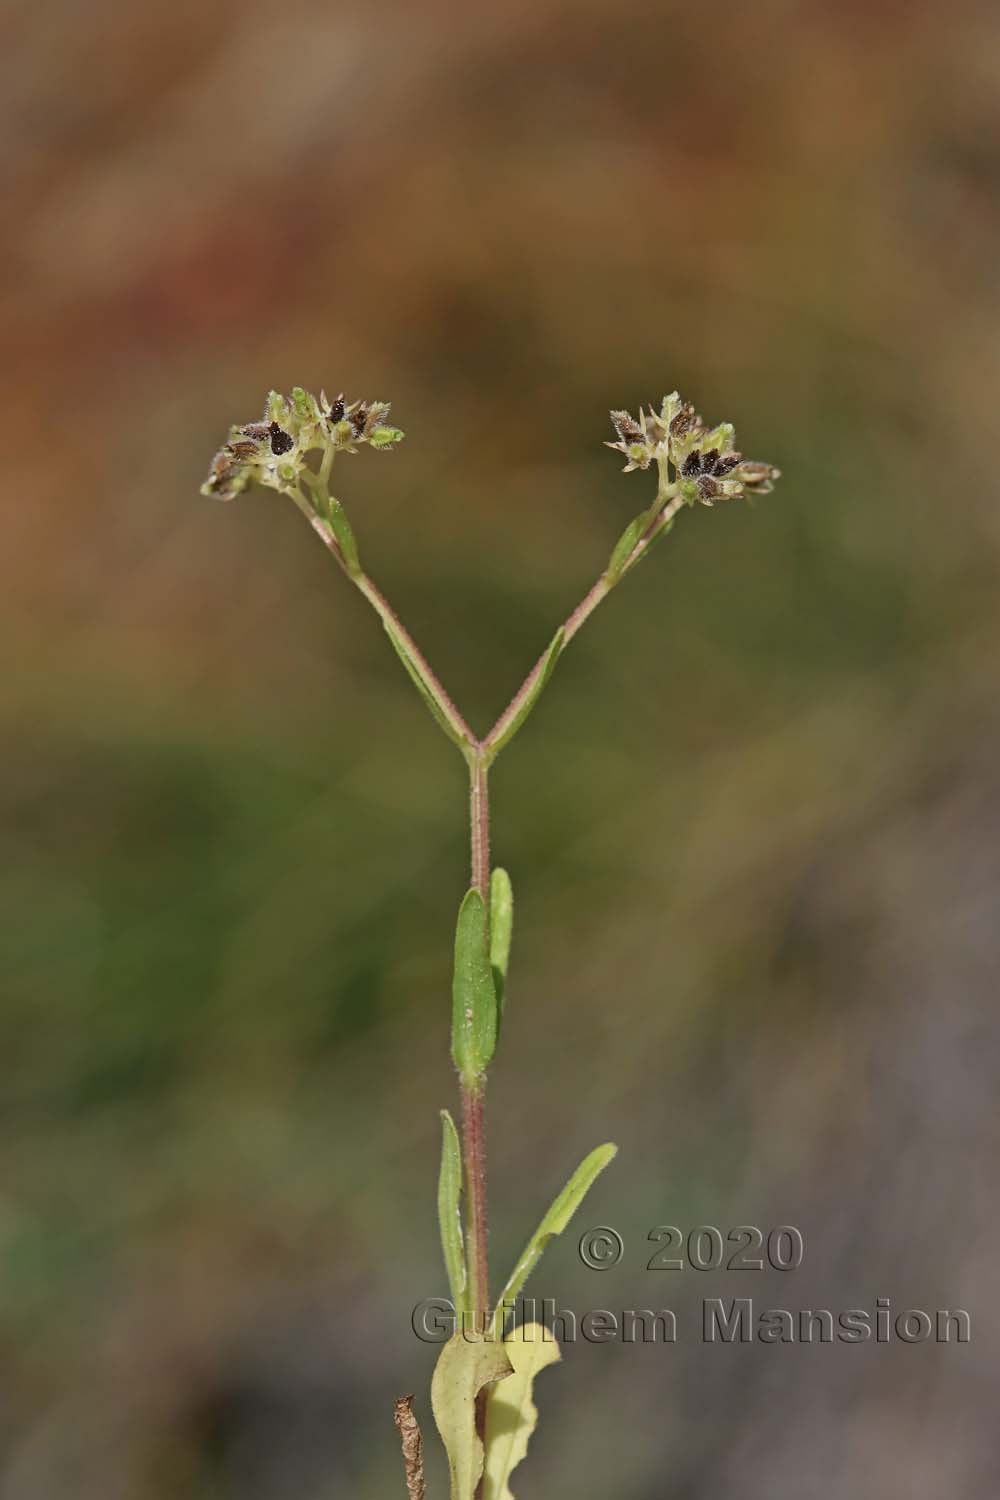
point(474, 1153)
point(474, 1099)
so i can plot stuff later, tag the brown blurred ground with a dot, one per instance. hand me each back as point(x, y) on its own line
point(753, 829)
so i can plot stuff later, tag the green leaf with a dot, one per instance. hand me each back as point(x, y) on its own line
point(341, 528)
point(450, 1214)
point(623, 549)
point(511, 1414)
point(555, 1221)
point(467, 1362)
point(423, 687)
point(506, 727)
point(501, 928)
point(474, 999)
point(656, 536)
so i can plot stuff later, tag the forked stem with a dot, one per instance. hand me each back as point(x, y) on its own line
point(479, 753)
point(579, 617)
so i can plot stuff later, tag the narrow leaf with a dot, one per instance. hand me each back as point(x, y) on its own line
point(623, 549)
point(555, 1221)
point(467, 1362)
point(506, 728)
point(656, 536)
point(501, 929)
point(341, 528)
point(474, 1000)
point(423, 687)
point(511, 1414)
point(450, 1213)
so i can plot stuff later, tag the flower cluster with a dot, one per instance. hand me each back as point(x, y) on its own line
point(273, 451)
point(705, 462)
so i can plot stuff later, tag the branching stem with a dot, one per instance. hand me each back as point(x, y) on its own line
point(582, 614)
point(479, 754)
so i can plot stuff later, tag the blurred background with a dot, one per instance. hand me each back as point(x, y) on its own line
point(752, 828)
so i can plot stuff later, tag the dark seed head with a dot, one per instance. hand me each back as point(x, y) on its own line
point(337, 410)
point(692, 465)
point(281, 441)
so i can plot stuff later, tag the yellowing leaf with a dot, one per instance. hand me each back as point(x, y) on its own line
point(467, 1362)
point(511, 1414)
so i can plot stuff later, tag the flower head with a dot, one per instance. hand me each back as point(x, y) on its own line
point(705, 463)
point(274, 451)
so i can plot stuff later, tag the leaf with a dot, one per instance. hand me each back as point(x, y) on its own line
point(467, 1362)
point(555, 1221)
point(450, 1214)
point(423, 686)
point(474, 1000)
point(655, 537)
point(341, 528)
point(643, 525)
point(511, 1414)
point(623, 549)
point(501, 929)
point(506, 727)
